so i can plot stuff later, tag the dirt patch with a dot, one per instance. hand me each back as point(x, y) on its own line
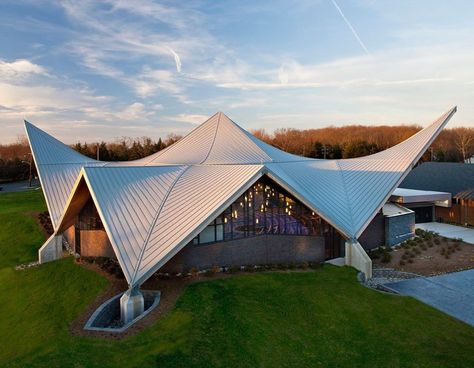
point(430, 257)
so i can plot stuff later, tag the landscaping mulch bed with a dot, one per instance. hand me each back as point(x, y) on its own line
point(428, 254)
point(44, 221)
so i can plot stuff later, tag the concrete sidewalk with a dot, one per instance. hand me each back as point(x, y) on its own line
point(449, 231)
point(452, 293)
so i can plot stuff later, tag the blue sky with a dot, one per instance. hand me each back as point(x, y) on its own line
point(89, 70)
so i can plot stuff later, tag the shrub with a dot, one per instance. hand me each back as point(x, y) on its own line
point(402, 262)
point(208, 272)
point(233, 269)
point(423, 246)
point(428, 235)
point(430, 244)
point(410, 260)
point(249, 268)
point(437, 240)
point(374, 254)
point(194, 271)
point(315, 265)
point(417, 251)
point(405, 256)
point(304, 265)
point(386, 257)
point(215, 269)
point(412, 255)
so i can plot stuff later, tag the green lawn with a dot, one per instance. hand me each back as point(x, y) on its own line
point(297, 319)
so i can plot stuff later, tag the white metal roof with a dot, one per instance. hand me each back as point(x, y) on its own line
point(392, 209)
point(404, 195)
point(154, 206)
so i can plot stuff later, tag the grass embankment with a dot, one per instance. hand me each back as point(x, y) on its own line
point(304, 319)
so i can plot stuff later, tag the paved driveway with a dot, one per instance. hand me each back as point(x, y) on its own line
point(452, 293)
point(19, 186)
point(449, 231)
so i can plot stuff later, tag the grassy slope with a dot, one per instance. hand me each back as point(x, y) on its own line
point(321, 318)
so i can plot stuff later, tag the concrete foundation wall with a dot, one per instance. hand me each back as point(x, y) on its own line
point(399, 228)
point(358, 258)
point(51, 250)
point(265, 249)
point(374, 235)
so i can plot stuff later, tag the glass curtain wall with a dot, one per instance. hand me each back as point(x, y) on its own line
point(265, 208)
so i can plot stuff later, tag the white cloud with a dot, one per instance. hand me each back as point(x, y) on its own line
point(189, 118)
point(19, 69)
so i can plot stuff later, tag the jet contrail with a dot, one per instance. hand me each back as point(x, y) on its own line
point(177, 60)
point(350, 26)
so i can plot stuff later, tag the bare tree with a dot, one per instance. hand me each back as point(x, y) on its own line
point(464, 142)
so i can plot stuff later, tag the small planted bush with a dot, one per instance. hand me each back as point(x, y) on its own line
point(233, 269)
point(386, 257)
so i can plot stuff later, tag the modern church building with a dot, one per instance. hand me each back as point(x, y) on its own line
point(219, 196)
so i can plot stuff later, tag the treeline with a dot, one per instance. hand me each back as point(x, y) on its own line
point(15, 158)
point(125, 149)
point(452, 145)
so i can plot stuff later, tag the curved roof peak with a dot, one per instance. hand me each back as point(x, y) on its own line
point(219, 140)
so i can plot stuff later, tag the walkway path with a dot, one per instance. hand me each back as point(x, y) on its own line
point(449, 231)
point(452, 293)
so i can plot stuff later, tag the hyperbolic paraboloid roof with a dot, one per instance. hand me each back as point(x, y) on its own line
point(152, 207)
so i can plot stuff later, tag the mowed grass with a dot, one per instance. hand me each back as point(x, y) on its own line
point(321, 318)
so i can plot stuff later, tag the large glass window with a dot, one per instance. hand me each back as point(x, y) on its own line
point(88, 218)
point(265, 208)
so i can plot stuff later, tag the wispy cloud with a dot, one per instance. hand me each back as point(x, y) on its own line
point(177, 59)
point(356, 35)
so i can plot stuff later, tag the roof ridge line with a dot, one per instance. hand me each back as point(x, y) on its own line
point(158, 212)
point(213, 139)
point(341, 173)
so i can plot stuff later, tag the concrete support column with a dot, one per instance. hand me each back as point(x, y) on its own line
point(51, 250)
point(132, 304)
point(358, 258)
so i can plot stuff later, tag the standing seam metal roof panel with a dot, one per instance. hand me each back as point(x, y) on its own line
point(150, 212)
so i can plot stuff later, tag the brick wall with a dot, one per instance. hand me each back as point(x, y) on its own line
point(265, 249)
